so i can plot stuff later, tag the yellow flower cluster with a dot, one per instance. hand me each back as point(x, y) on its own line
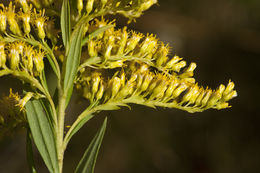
point(137, 84)
point(129, 8)
point(113, 48)
point(11, 116)
point(22, 57)
point(10, 19)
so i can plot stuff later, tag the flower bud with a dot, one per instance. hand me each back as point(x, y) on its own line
point(122, 42)
point(39, 23)
point(28, 59)
point(100, 92)
point(206, 97)
point(92, 48)
point(177, 67)
point(89, 6)
point(110, 45)
point(231, 95)
point(95, 82)
point(191, 67)
point(11, 18)
point(200, 97)
point(2, 55)
point(179, 90)
point(14, 57)
point(146, 5)
point(147, 80)
point(38, 61)
point(37, 3)
point(171, 88)
point(222, 105)
point(229, 88)
point(25, 99)
point(79, 6)
point(191, 93)
point(133, 41)
point(159, 90)
point(173, 61)
point(116, 84)
point(26, 22)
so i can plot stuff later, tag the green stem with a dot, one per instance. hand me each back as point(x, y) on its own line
point(60, 135)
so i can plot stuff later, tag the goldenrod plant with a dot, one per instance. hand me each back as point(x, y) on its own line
point(108, 66)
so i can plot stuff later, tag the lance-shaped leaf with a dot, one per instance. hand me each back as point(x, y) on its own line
point(73, 59)
point(42, 134)
point(87, 163)
point(65, 22)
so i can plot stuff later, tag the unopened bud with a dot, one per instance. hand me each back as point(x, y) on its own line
point(222, 105)
point(229, 88)
point(173, 61)
point(177, 67)
point(24, 5)
point(116, 84)
point(100, 92)
point(89, 6)
point(231, 95)
point(179, 90)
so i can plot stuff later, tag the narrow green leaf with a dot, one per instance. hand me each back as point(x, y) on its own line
point(42, 134)
point(29, 152)
point(73, 59)
point(87, 163)
point(96, 33)
point(65, 22)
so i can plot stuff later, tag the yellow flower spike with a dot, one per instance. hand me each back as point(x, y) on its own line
point(182, 87)
point(14, 57)
point(79, 6)
point(26, 17)
point(100, 92)
point(122, 42)
point(2, 21)
point(38, 61)
point(89, 6)
point(173, 61)
point(2, 55)
point(24, 5)
point(11, 18)
point(24, 100)
point(229, 88)
point(95, 82)
point(116, 84)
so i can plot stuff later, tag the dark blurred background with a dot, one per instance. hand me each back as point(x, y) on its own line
point(223, 38)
